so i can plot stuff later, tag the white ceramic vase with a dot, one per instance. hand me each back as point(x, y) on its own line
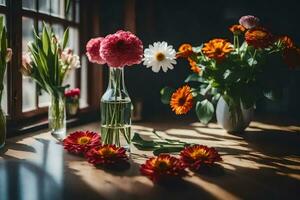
point(231, 121)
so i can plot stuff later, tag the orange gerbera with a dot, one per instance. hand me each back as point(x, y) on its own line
point(237, 29)
point(182, 100)
point(197, 156)
point(163, 168)
point(259, 38)
point(184, 51)
point(291, 57)
point(217, 49)
point(194, 67)
point(286, 41)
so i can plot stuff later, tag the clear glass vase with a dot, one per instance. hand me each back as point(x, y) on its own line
point(2, 128)
point(116, 111)
point(57, 116)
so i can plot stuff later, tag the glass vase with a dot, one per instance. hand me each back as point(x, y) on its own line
point(2, 128)
point(116, 111)
point(72, 106)
point(57, 116)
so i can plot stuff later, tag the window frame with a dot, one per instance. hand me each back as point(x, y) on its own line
point(17, 119)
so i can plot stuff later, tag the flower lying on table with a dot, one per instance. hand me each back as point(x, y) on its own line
point(163, 168)
point(106, 155)
point(80, 142)
point(196, 156)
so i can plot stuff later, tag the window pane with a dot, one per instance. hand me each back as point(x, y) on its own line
point(77, 12)
point(29, 4)
point(69, 15)
point(44, 6)
point(58, 30)
point(58, 8)
point(2, 2)
point(44, 99)
point(83, 83)
point(4, 94)
point(28, 85)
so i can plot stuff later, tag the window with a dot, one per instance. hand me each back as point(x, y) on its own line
point(22, 97)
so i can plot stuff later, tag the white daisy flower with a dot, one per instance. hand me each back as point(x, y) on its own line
point(159, 55)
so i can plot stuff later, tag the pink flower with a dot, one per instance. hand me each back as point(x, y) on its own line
point(249, 21)
point(92, 50)
point(72, 92)
point(121, 49)
point(26, 68)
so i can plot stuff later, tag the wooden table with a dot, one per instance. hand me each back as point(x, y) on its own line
point(263, 163)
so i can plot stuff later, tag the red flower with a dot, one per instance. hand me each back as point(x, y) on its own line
point(259, 38)
point(184, 51)
point(199, 155)
point(121, 49)
point(80, 142)
point(72, 92)
point(106, 155)
point(291, 57)
point(92, 50)
point(162, 168)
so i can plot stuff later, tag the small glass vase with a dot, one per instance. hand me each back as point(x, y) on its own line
point(72, 105)
point(57, 116)
point(2, 128)
point(116, 111)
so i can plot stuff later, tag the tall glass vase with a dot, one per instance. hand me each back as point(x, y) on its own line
point(57, 116)
point(116, 111)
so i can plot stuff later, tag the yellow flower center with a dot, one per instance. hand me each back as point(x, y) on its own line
point(199, 154)
point(107, 152)
point(160, 56)
point(83, 140)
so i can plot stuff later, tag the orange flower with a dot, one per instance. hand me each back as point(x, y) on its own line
point(107, 155)
point(182, 100)
point(286, 41)
point(184, 51)
point(162, 168)
point(259, 38)
point(197, 156)
point(291, 57)
point(237, 29)
point(217, 49)
point(194, 67)
point(80, 142)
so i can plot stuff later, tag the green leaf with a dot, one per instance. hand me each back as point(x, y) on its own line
point(45, 39)
point(166, 94)
point(204, 111)
point(3, 44)
point(139, 141)
point(65, 38)
point(195, 78)
point(67, 3)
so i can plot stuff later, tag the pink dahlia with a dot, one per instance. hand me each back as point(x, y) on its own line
point(92, 50)
point(121, 49)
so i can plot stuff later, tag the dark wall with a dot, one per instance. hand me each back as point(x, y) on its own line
point(196, 21)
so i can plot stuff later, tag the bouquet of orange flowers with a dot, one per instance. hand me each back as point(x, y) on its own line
point(239, 72)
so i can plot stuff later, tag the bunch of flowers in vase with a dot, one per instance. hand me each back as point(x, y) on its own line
point(48, 63)
point(232, 75)
point(5, 57)
point(117, 50)
point(72, 101)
